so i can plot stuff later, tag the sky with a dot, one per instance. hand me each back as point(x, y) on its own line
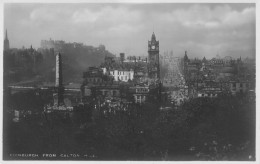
point(200, 29)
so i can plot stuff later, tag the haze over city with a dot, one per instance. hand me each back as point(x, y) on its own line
point(201, 29)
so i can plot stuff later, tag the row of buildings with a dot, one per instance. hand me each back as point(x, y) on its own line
point(133, 79)
point(121, 80)
point(117, 82)
point(209, 78)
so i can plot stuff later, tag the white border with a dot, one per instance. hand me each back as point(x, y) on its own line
point(135, 1)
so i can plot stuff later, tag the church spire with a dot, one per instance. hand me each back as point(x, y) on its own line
point(204, 59)
point(6, 38)
point(186, 56)
point(6, 41)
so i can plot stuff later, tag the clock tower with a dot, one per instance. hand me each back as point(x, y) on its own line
point(153, 58)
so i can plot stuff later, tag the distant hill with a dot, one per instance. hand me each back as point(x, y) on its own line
point(26, 64)
point(77, 58)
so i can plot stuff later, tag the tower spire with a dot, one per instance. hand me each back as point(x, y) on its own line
point(6, 38)
point(6, 41)
point(153, 37)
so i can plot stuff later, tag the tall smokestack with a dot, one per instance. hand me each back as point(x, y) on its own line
point(58, 82)
point(58, 96)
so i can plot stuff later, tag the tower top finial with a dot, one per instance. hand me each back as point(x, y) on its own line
point(153, 36)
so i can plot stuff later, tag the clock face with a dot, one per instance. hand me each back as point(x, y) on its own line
point(153, 47)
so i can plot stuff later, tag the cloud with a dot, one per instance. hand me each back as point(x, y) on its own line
point(208, 30)
point(43, 14)
point(200, 16)
point(235, 18)
point(111, 15)
point(51, 13)
point(203, 29)
point(85, 16)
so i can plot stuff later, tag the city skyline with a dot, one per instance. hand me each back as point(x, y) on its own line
point(201, 29)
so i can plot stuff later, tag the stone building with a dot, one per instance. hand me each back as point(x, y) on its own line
point(140, 93)
point(122, 74)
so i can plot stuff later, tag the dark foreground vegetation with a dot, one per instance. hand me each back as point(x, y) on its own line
point(201, 129)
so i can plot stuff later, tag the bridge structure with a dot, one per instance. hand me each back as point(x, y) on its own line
point(19, 88)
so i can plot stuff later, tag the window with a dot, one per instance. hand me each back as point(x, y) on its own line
point(234, 84)
point(125, 77)
point(241, 85)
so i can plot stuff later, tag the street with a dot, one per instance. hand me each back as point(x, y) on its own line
point(174, 81)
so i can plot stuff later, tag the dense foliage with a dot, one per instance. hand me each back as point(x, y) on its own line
point(202, 129)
